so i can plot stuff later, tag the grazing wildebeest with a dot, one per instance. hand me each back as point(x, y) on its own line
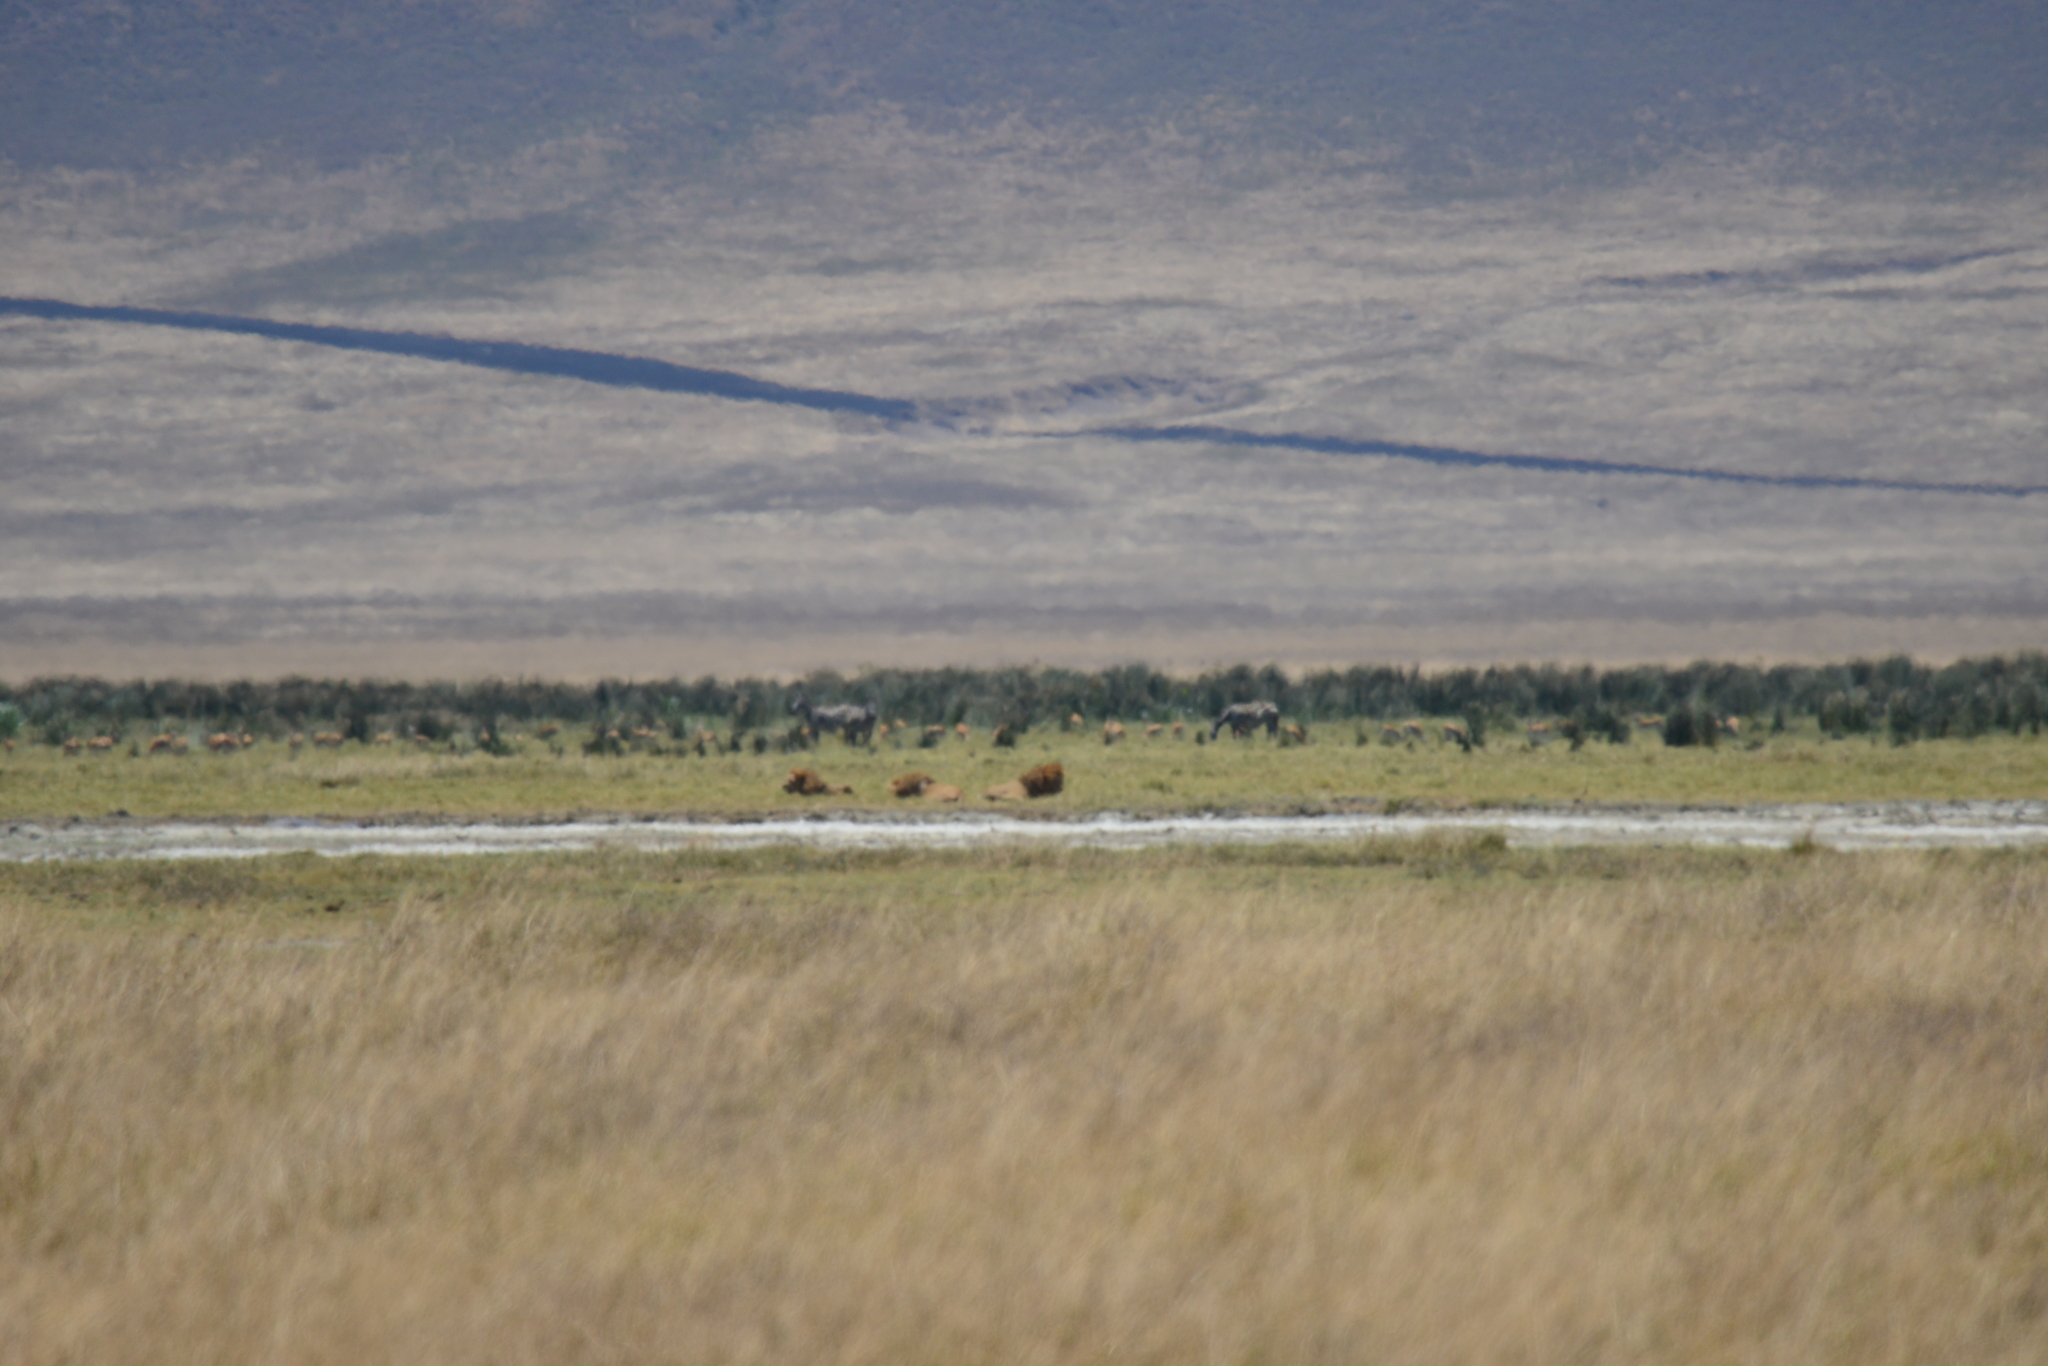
point(857, 724)
point(1245, 717)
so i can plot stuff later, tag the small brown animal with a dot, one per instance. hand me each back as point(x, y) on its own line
point(1044, 781)
point(1153, 732)
point(220, 742)
point(73, 745)
point(174, 743)
point(805, 782)
point(1178, 726)
point(100, 742)
point(910, 785)
point(1112, 731)
point(942, 792)
point(962, 731)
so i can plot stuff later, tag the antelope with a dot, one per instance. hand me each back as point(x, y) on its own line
point(1112, 731)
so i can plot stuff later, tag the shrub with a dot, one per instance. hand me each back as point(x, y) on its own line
point(1902, 719)
point(1691, 724)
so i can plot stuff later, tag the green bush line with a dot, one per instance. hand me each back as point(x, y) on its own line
point(1895, 697)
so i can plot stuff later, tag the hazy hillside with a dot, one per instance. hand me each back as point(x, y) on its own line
point(1448, 89)
point(1720, 238)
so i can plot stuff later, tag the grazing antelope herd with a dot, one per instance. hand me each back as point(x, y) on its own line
point(860, 726)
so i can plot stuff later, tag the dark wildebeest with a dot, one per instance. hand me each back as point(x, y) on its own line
point(1245, 717)
point(857, 724)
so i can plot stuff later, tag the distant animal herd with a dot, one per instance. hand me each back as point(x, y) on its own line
point(860, 725)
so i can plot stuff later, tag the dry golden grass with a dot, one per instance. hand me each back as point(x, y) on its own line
point(1437, 1102)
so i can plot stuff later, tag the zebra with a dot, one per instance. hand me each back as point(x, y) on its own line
point(857, 724)
point(1245, 717)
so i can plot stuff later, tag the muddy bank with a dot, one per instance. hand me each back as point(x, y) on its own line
point(1888, 825)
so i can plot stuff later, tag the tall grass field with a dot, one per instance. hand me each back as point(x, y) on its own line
point(1429, 1101)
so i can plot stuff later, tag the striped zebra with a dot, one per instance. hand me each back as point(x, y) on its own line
point(1245, 717)
point(857, 724)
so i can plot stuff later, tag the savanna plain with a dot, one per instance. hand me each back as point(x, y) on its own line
point(1343, 767)
point(1433, 1100)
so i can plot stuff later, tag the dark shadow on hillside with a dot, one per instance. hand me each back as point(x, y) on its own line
point(1544, 464)
point(594, 367)
point(637, 372)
